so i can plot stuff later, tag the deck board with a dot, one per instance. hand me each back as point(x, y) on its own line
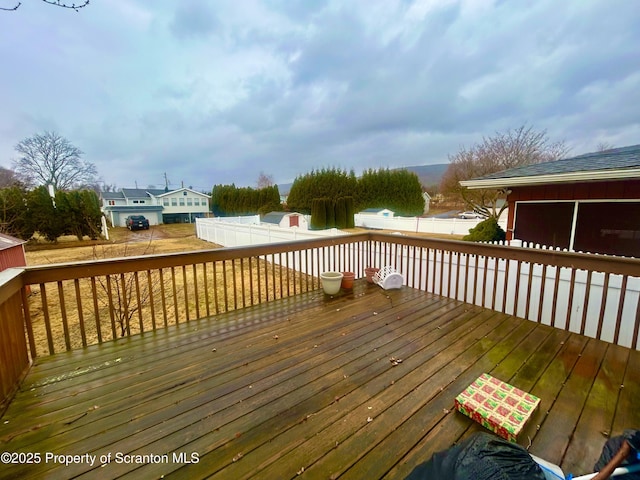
point(305, 386)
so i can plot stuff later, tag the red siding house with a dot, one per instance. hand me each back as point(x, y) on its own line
point(588, 203)
point(11, 252)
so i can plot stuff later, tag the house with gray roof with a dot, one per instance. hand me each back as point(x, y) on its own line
point(182, 205)
point(588, 203)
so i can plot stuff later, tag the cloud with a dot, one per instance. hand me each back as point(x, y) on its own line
point(193, 19)
point(220, 91)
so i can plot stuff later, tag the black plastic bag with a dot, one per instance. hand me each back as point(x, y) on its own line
point(482, 456)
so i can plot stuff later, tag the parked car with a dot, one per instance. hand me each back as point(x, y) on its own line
point(469, 215)
point(137, 222)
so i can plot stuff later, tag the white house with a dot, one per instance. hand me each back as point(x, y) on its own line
point(427, 202)
point(159, 206)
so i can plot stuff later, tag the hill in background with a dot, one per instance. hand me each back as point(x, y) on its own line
point(429, 175)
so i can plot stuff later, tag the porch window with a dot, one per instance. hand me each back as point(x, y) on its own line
point(546, 223)
point(608, 227)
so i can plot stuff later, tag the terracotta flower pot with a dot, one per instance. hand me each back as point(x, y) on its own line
point(370, 272)
point(347, 280)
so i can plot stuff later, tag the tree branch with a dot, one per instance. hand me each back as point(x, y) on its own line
point(55, 3)
point(11, 9)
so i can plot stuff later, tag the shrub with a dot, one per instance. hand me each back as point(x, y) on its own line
point(486, 231)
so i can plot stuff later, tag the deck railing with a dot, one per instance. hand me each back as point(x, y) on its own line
point(70, 306)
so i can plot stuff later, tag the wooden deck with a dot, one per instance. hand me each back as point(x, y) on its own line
point(306, 386)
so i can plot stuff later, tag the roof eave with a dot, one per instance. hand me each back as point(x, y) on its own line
point(583, 176)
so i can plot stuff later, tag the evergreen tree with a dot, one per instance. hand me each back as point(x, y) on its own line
point(350, 212)
point(14, 218)
point(329, 183)
point(397, 190)
point(318, 214)
point(43, 216)
point(330, 208)
point(341, 212)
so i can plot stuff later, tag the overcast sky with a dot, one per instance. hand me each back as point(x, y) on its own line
point(213, 92)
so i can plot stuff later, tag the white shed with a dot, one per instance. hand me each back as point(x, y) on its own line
point(287, 220)
point(380, 212)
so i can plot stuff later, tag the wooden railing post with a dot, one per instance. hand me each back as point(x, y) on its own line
point(14, 352)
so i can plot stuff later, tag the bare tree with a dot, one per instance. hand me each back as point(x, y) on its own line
point(264, 180)
point(128, 294)
point(513, 148)
point(50, 159)
point(55, 3)
point(603, 147)
point(8, 178)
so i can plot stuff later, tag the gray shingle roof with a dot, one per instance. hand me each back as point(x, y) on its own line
point(112, 195)
point(614, 159)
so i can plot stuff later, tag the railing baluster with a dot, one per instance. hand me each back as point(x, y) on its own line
point(215, 287)
point(506, 286)
point(195, 290)
point(63, 312)
point(585, 304)
point(96, 309)
point(554, 303)
point(114, 335)
point(139, 306)
point(528, 295)
point(623, 291)
point(280, 274)
point(572, 283)
point(185, 290)
point(543, 280)
point(259, 281)
point(251, 279)
point(603, 305)
point(152, 306)
point(244, 296)
point(266, 278)
point(517, 292)
point(496, 268)
point(636, 327)
point(165, 316)
point(224, 285)
point(233, 276)
point(175, 295)
point(124, 306)
point(83, 333)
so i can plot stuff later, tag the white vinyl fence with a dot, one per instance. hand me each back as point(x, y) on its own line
point(241, 231)
point(447, 226)
point(563, 297)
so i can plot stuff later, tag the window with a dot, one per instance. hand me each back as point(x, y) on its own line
point(608, 227)
point(165, 202)
point(174, 202)
point(546, 223)
point(112, 202)
point(181, 201)
point(196, 201)
point(189, 201)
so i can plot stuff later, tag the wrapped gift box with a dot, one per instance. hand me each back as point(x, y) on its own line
point(496, 405)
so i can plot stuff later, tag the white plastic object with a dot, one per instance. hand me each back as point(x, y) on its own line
point(388, 278)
